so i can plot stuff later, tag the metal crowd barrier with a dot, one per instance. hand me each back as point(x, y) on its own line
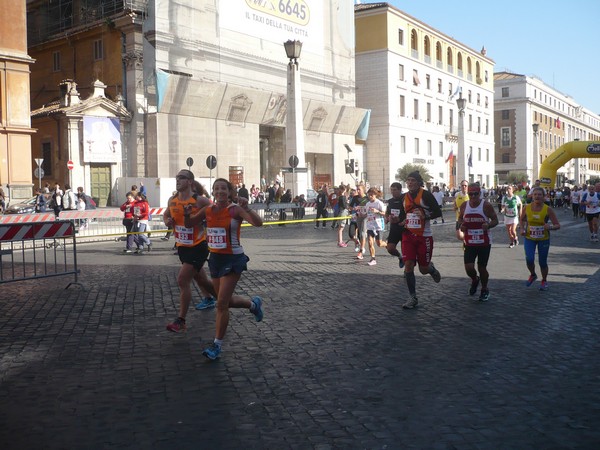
point(37, 250)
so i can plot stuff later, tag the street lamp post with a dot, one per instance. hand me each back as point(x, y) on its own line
point(536, 157)
point(294, 130)
point(461, 156)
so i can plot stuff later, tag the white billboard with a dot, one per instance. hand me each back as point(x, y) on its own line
point(101, 140)
point(277, 21)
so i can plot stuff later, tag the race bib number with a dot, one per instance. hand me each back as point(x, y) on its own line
point(475, 237)
point(137, 211)
point(536, 232)
point(216, 238)
point(413, 221)
point(184, 235)
point(510, 212)
point(395, 212)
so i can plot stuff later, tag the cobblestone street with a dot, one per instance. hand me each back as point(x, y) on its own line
point(336, 362)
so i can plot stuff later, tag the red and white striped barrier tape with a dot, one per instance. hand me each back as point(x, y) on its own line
point(157, 211)
point(27, 231)
point(24, 218)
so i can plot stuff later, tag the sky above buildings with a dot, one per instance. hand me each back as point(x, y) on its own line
point(555, 41)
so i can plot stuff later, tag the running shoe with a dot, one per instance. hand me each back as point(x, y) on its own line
point(127, 250)
point(530, 280)
point(359, 256)
point(484, 296)
point(473, 287)
point(177, 326)
point(544, 286)
point(342, 244)
point(257, 309)
point(206, 303)
point(436, 275)
point(372, 262)
point(212, 352)
point(401, 262)
point(511, 245)
point(411, 302)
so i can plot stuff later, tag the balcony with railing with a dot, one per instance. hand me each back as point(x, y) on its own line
point(451, 133)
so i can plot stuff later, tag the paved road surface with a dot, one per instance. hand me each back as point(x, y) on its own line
point(336, 363)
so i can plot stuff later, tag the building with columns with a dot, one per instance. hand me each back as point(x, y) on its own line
point(16, 165)
point(532, 120)
point(205, 77)
point(411, 75)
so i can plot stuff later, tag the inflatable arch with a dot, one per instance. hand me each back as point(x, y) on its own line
point(564, 153)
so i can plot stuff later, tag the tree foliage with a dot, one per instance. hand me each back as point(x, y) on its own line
point(402, 173)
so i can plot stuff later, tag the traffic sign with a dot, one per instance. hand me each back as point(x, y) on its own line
point(211, 162)
point(294, 161)
point(70, 165)
point(39, 161)
point(38, 172)
point(189, 162)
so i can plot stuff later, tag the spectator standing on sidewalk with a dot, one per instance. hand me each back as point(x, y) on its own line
point(418, 207)
point(127, 208)
point(56, 200)
point(69, 201)
point(191, 245)
point(535, 227)
point(227, 259)
point(322, 202)
point(243, 192)
point(141, 210)
point(40, 202)
point(477, 216)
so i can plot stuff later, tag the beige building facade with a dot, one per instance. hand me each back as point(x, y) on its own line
point(15, 124)
point(523, 104)
point(205, 77)
point(410, 75)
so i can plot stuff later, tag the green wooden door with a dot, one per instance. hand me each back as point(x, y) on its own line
point(100, 183)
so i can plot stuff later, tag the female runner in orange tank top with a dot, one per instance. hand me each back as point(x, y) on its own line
point(227, 259)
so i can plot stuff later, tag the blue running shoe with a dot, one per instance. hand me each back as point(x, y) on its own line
point(484, 296)
point(544, 286)
point(212, 352)
point(531, 280)
point(206, 303)
point(401, 262)
point(257, 310)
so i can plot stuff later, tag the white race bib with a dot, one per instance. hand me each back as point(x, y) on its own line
point(216, 238)
point(536, 232)
point(475, 236)
point(413, 221)
point(184, 235)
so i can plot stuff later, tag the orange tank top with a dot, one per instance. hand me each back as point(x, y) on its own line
point(415, 223)
point(223, 230)
point(184, 236)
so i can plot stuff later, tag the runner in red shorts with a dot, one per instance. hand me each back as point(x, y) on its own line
point(419, 207)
